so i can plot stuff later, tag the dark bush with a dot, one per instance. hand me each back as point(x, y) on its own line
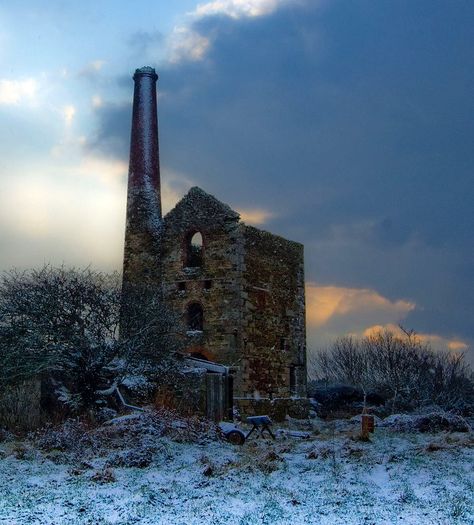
point(400, 370)
point(432, 422)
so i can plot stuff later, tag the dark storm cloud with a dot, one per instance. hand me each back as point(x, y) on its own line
point(112, 137)
point(353, 122)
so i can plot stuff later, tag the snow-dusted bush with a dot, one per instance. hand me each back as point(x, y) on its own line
point(105, 414)
point(70, 436)
point(269, 463)
point(133, 440)
point(406, 372)
point(431, 422)
point(63, 325)
point(154, 423)
point(138, 457)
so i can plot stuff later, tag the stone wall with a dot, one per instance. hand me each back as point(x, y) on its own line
point(216, 285)
point(250, 286)
point(273, 315)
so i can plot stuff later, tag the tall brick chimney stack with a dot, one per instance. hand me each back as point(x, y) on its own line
point(143, 227)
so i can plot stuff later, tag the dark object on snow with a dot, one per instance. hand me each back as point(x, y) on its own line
point(236, 437)
point(136, 457)
point(208, 471)
point(293, 433)
point(233, 434)
point(260, 424)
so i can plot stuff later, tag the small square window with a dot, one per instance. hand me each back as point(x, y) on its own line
point(181, 286)
point(207, 284)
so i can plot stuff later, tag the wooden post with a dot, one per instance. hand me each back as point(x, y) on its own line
point(367, 425)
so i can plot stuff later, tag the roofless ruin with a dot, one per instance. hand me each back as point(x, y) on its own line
point(239, 290)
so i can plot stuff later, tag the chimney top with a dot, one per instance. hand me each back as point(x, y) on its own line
point(145, 71)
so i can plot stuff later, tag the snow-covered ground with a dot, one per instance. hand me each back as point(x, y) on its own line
point(331, 478)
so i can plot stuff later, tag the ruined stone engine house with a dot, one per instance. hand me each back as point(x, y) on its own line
point(239, 290)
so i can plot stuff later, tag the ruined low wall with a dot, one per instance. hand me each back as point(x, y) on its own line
point(277, 409)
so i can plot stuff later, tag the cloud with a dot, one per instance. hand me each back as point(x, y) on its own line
point(356, 133)
point(187, 44)
point(108, 171)
point(173, 187)
point(69, 112)
point(13, 92)
point(97, 101)
point(457, 345)
point(238, 8)
point(330, 304)
point(256, 217)
point(435, 341)
point(71, 213)
point(145, 43)
point(336, 311)
point(141, 39)
point(112, 135)
point(92, 69)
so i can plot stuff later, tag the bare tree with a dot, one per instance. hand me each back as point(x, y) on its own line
point(63, 324)
point(406, 370)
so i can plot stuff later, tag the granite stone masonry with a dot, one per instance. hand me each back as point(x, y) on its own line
point(239, 290)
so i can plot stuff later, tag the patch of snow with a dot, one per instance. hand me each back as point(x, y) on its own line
point(193, 333)
point(135, 381)
point(328, 479)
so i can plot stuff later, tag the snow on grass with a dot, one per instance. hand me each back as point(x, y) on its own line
point(330, 479)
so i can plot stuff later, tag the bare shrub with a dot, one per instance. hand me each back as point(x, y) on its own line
point(62, 325)
point(431, 422)
point(404, 370)
point(22, 451)
point(138, 457)
point(135, 440)
point(70, 436)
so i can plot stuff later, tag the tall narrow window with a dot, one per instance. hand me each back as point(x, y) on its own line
point(261, 299)
point(293, 380)
point(194, 250)
point(195, 317)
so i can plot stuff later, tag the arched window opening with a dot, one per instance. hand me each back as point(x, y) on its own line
point(195, 317)
point(194, 250)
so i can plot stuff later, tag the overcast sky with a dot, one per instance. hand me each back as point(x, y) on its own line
point(345, 125)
